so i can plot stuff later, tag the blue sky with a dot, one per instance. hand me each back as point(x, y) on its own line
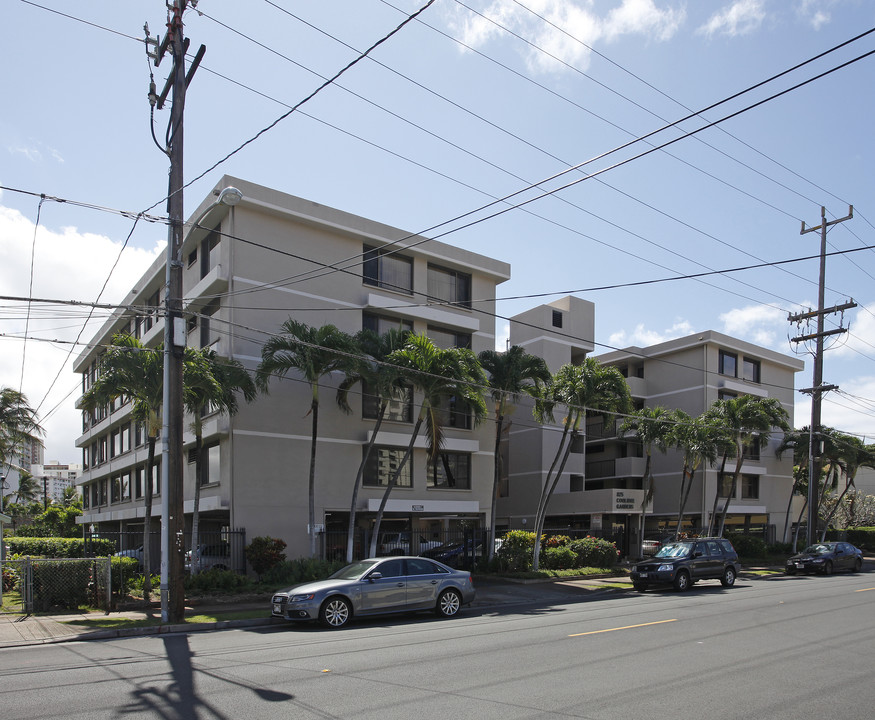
point(473, 101)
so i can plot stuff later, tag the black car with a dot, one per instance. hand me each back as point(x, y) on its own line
point(685, 562)
point(825, 558)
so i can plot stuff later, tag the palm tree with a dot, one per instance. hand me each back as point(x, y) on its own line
point(746, 419)
point(440, 375)
point(697, 439)
point(18, 424)
point(796, 441)
point(511, 374)
point(129, 369)
point(312, 353)
point(213, 384)
point(380, 380)
point(852, 454)
point(588, 387)
point(652, 428)
point(28, 488)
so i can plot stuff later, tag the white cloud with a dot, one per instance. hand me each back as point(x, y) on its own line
point(68, 265)
point(740, 18)
point(759, 324)
point(816, 12)
point(35, 152)
point(642, 337)
point(569, 28)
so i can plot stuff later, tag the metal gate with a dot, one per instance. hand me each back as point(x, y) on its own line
point(33, 585)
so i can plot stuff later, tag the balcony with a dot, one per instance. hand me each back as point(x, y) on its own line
point(618, 467)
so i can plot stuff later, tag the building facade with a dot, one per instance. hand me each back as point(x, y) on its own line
point(54, 478)
point(247, 269)
point(601, 489)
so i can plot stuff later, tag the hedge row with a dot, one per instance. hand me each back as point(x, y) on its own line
point(59, 547)
point(558, 552)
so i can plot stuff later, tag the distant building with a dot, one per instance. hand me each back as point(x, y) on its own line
point(54, 478)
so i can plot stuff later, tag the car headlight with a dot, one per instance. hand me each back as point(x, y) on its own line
point(301, 598)
point(667, 567)
point(817, 560)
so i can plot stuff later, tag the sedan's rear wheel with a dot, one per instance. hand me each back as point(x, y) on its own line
point(682, 581)
point(335, 612)
point(858, 565)
point(728, 579)
point(449, 603)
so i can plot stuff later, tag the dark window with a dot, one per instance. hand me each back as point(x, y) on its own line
point(387, 270)
point(750, 487)
point(576, 484)
point(450, 470)
point(209, 334)
point(725, 485)
point(208, 245)
point(455, 413)
point(449, 286)
point(86, 497)
point(728, 364)
point(557, 319)
point(95, 495)
point(192, 257)
point(391, 568)
point(446, 339)
point(752, 449)
point(421, 566)
point(750, 369)
point(381, 324)
point(399, 408)
point(115, 491)
point(726, 395)
point(382, 464)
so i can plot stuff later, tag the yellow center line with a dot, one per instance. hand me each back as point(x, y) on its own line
point(864, 589)
point(626, 627)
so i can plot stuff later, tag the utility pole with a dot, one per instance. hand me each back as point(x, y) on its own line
point(172, 510)
point(818, 388)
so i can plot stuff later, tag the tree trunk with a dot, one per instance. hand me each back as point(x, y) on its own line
point(737, 474)
point(496, 480)
point(799, 524)
point(147, 522)
point(389, 486)
point(787, 514)
point(834, 508)
point(682, 499)
point(314, 408)
point(350, 533)
point(539, 521)
point(542, 500)
point(720, 474)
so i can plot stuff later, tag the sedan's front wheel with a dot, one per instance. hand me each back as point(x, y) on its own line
point(449, 603)
point(335, 612)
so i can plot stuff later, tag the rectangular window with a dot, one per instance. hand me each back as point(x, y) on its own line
point(86, 497)
point(752, 449)
point(209, 334)
point(726, 395)
point(387, 270)
point(210, 464)
point(103, 491)
point(576, 483)
point(125, 483)
point(557, 319)
point(750, 487)
point(724, 485)
point(455, 413)
point(450, 470)
point(209, 254)
point(750, 369)
point(446, 339)
point(192, 257)
point(449, 286)
point(115, 445)
point(95, 495)
point(399, 409)
point(382, 464)
point(115, 488)
point(139, 434)
point(102, 449)
point(381, 324)
point(728, 364)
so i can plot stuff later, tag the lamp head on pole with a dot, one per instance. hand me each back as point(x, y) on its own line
point(230, 196)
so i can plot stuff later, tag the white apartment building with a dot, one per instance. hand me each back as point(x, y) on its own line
point(271, 257)
point(54, 478)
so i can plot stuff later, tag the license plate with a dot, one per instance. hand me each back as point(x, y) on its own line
point(277, 609)
point(800, 565)
point(642, 574)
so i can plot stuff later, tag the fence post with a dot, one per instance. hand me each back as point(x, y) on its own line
point(27, 590)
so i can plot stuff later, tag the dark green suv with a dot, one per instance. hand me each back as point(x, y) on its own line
point(684, 562)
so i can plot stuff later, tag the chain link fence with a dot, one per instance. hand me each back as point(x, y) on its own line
point(42, 585)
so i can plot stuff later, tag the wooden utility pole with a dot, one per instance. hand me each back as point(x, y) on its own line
point(172, 517)
point(818, 388)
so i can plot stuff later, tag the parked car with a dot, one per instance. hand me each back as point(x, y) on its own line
point(377, 586)
point(136, 553)
point(398, 543)
point(685, 562)
point(455, 553)
point(651, 544)
point(825, 558)
point(216, 556)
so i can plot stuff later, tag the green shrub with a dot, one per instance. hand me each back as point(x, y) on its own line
point(295, 572)
point(748, 546)
point(54, 547)
point(595, 552)
point(862, 537)
point(559, 557)
point(264, 553)
point(515, 553)
point(215, 581)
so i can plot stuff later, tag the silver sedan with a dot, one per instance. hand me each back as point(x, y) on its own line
point(377, 586)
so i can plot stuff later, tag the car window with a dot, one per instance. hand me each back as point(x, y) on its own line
point(421, 566)
point(713, 547)
point(391, 568)
point(674, 550)
point(702, 549)
point(726, 545)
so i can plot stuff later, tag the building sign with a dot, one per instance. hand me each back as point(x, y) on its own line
point(418, 508)
point(595, 521)
point(626, 501)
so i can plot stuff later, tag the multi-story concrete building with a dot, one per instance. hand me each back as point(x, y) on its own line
point(54, 478)
point(601, 489)
point(271, 257)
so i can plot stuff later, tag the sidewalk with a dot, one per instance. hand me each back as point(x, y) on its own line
point(17, 630)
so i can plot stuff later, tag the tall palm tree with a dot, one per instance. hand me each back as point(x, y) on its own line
point(653, 429)
point(697, 438)
point(589, 387)
point(380, 380)
point(18, 424)
point(29, 489)
point(746, 419)
point(214, 384)
point(852, 455)
point(129, 369)
point(440, 375)
point(511, 374)
point(312, 353)
point(797, 442)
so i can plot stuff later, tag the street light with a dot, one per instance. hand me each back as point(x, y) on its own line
point(172, 407)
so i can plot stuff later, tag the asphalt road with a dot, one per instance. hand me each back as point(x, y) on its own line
point(789, 647)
